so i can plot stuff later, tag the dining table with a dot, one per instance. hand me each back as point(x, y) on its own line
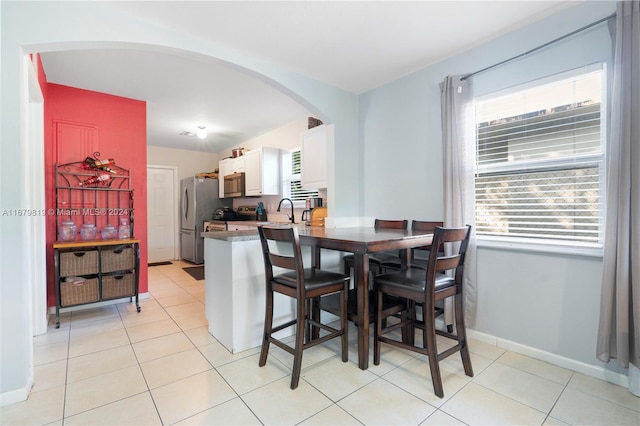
point(362, 241)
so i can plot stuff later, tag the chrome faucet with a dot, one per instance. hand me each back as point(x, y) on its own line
point(292, 219)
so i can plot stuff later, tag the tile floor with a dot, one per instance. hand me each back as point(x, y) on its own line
point(111, 365)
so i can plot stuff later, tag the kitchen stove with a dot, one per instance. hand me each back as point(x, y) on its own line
point(223, 215)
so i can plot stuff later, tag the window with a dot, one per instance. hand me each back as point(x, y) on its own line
point(292, 184)
point(540, 162)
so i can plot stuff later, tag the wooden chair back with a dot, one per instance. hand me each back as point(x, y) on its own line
point(390, 224)
point(458, 238)
point(281, 258)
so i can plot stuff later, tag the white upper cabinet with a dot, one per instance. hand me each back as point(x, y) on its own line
point(313, 153)
point(262, 171)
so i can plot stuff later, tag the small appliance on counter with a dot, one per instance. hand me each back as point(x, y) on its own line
point(225, 213)
point(318, 216)
point(261, 213)
point(310, 204)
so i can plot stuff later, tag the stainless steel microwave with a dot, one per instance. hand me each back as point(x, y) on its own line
point(234, 185)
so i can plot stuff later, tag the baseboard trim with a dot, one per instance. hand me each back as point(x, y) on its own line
point(16, 395)
point(561, 361)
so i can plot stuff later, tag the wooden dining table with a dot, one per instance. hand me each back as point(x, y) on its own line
point(362, 241)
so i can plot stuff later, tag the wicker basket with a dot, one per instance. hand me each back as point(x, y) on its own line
point(114, 286)
point(121, 258)
point(84, 290)
point(74, 263)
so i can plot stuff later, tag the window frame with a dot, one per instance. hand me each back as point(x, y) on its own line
point(288, 177)
point(543, 245)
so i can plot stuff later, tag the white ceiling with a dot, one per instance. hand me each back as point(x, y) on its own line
point(356, 46)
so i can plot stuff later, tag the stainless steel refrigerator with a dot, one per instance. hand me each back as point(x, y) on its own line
point(198, 200)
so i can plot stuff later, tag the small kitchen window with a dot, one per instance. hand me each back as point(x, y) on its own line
point(291, 178)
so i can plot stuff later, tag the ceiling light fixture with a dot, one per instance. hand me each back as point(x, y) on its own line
point(202, 132)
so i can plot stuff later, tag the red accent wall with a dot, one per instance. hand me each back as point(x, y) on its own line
point(120, 133)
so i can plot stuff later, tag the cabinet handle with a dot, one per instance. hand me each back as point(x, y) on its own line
point(79, 253)
point(118, 251)
point(118, 277)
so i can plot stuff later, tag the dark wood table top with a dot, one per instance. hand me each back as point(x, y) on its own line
point(363, 240)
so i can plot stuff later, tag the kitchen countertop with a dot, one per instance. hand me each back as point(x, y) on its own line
point(231, 236)
point(246, 234)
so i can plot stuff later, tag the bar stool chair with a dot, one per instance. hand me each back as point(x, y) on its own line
point(416, 262)
point(303, 285)
point(376, 259)
point(331, 304)
point(426, 287)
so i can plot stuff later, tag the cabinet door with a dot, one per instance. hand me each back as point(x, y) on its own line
point(236, 165)
point(223, 170)
point(253, 172)
point(313, 152)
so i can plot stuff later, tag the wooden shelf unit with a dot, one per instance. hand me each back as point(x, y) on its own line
point(91, 271)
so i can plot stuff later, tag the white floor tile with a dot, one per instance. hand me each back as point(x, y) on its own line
point(135, 410)
point(100, 390)
point(245, 375)
point(524, 387)
point(113, 365)
point(579, 408)
point(234, 412)
point(477, 405)
point(383, 403)
point(276, 403)
point(174, 367)
point(187, 397)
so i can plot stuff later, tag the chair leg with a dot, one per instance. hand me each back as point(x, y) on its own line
point(344, 323)
point(462, 336)
point(377, 329)
point(429, 337)
point(299, 345)
point(268, 325)
point(409, 315)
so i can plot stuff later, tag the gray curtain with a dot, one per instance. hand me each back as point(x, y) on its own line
point(458, 149)
point(619, 329)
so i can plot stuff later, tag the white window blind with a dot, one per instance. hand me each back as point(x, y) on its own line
point(540, 168)
point(293, 189)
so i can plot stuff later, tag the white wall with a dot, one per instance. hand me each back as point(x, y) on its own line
point(286, 137)
point(31, 27)
point(188, 162)
point(546, 302)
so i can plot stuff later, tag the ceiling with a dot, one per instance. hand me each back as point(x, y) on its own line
point(356, 46)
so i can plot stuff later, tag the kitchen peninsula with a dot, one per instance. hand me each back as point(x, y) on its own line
point(235, 287)
point(233, 276)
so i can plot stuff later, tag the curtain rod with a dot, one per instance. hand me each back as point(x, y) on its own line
point(599, 21)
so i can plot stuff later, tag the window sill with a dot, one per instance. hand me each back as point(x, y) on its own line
point(539, 247)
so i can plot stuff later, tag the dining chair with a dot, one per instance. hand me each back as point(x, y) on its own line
point(419, 262)
point(376, 259)
point(415, 262)
point(281, 248)
point(414, 285)
point(330, 303)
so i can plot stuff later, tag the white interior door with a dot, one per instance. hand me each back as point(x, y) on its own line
point(162, 205)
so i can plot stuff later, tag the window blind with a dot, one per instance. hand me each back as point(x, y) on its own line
point(292, 179)
point(539, 159)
